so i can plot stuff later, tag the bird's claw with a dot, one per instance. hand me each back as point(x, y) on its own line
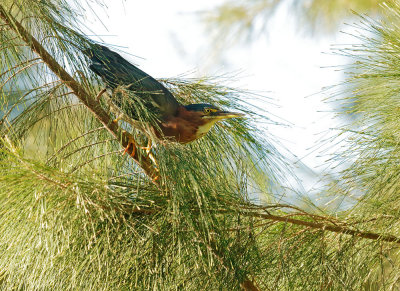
point(131, 143)
point(119, 117)
point(155, 179)
point(150, 155)
point(147, 149)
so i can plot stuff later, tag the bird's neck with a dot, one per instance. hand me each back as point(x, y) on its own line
point(204, 128)
point(185, 126)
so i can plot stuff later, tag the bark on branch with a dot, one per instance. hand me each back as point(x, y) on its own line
point(80, 92)
point(324, 226)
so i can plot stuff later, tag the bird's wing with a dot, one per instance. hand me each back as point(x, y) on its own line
point(116, 71)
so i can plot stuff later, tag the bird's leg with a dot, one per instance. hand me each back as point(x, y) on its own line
point(153, 159)
point(119, 117)
point(155, 179)
point(131, 143)
point(148, 151)
point(148, 147)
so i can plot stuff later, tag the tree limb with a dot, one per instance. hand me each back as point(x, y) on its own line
point(324, 226)
point(80, 92)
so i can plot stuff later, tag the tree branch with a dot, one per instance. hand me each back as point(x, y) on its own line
point(314, 225)
point(80, 92)
point(323, 226)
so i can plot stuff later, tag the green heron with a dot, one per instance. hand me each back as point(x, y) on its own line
point(177, 122)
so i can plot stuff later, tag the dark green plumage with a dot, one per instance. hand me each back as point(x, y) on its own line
point(116, 71)
point(174, 121)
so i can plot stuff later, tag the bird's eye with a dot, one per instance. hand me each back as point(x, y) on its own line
point(207, 110)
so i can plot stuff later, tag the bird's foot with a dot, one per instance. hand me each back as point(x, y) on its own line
point(153, 159)
point(147, 149)
point(119, 117)
point(149, 146)
point(131, 145)
point(156, 179)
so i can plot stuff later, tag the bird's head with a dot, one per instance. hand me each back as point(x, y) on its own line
point(209, 115)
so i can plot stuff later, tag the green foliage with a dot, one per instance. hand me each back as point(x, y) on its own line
point(372, 89)
point(77, 215)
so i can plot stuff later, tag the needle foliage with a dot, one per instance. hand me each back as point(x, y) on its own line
point(75, 214)
point(371, 181)
point(90, 217)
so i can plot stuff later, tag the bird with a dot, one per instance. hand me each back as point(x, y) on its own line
point(175, 122)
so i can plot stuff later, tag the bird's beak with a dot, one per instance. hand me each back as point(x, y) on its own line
point(227, 114)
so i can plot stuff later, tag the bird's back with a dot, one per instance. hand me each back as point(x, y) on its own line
point(116, 71)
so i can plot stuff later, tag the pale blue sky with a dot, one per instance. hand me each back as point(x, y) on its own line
point(285, 63)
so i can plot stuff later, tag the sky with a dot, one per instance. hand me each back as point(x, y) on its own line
point(284, 63)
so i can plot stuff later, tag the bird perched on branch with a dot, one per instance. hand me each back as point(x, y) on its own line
point(177, 122)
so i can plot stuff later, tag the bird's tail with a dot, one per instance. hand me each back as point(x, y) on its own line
point(115, 70)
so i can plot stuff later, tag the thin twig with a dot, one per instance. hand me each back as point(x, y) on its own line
point(95, 158)
point(323, 226)
point(27, 99)
point(39, 175)
point(17, 72)
point(20, 64)
point(246, 284)
point(301, 211)
point(73, 140)
point(59, 109)
point(87, 146)
point(100, 94)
